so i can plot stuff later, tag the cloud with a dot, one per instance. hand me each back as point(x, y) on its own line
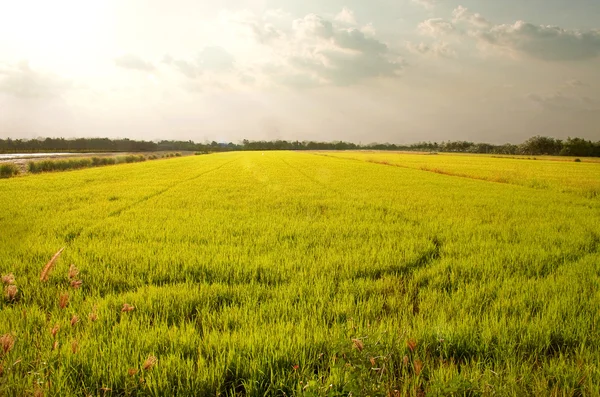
point(133, 62)
point(436, 27)
point(346, 16)
point(317, 51)
point(440, 49)
point(21, 81)
point(550, 43)
point(462, 14)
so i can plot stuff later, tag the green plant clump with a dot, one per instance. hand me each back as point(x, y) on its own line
point(8, 170)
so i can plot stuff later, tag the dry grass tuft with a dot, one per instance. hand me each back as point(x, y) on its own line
point(358, 344)
point(149, 363)
point(10, 293)
point(54, 330)
point(63, 301)
point(7, 342)
point(74, 346)
point(55, 345)
point(127, 308)
point(76, 284)
point(8, 279)
point(93, 316)
point(74, 320)
point(50, 265)
point(412, 345)
point(418, 366)
point(132, 371)
point(73, 272)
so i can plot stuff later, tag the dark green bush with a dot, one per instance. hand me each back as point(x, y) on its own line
point(131, 158)
point(8, 170)
point(36, 167)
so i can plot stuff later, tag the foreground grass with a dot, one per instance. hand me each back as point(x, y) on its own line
point(296, 274)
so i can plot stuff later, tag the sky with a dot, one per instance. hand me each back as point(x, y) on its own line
point(397, 71)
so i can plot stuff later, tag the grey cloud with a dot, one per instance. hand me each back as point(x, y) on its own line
point(545, 42)
point(133, 62)
point(319, 52)
point(356, 40)
point(23, 82)
point(551, 43)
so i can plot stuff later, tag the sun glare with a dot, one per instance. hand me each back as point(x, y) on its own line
point(54, 32)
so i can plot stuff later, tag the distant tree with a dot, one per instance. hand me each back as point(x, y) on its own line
point(538, 145)
point(577, 147)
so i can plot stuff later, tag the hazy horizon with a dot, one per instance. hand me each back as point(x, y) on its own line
point(388, 71)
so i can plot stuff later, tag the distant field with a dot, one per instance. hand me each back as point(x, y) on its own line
point(555, 173)
point(317, 274)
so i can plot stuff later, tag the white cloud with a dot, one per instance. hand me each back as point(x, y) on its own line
point(346, 16)
point(462, 14)
point(436, 27)
point(439, 48)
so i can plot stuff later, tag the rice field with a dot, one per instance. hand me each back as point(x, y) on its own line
point(314, 274)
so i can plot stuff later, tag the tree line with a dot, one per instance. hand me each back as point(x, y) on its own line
point(537, 145)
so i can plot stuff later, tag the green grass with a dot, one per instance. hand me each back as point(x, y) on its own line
point(298, 274)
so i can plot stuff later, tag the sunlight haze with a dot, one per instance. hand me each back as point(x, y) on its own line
point(380, 71)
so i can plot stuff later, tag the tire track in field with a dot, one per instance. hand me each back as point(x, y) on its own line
point(150, 196)
point(312, 179)
point(166, 189)
point(347, 194)
point(405, 270)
